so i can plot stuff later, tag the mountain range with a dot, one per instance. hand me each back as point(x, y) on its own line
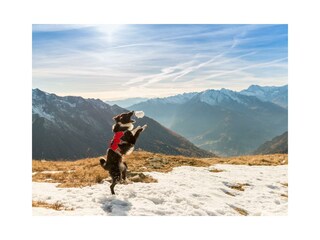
point(277, 95)
point(223, 121)
point(126, 102)
point(278, 144)
point(73, 127)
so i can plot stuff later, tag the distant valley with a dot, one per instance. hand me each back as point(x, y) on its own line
point(278, 144)
point(223, 121)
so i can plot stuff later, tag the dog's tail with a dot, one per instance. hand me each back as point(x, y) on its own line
point(103, 161)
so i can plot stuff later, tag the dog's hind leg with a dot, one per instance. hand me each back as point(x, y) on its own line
point(124, 175)
point(120, 177)
point(125, 171)
point(113, 184)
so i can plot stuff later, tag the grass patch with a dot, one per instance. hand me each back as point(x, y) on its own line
point(241, 211)
point(81, 176)
point(140, 177)
point(237, 186)
point(284, 195)
point(240, 186)
point(215, 170)
point(284, 184)
point(257, 160)
point(86, 172)
point(55, 206)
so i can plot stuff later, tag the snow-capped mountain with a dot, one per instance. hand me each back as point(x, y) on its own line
point(277, 95)
point(223, 121)
point(74, 127)
point(223, 96)
point(176, 99)
point(126, 102)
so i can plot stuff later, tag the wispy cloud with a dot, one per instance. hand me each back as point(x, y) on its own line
point(121, 61)
point(57, 27)
point(173, 73)
point(251, 66)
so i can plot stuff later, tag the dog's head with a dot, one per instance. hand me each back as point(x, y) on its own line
point(124, 118)
point(123, 122)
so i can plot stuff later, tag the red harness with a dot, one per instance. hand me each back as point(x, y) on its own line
point(116, 140)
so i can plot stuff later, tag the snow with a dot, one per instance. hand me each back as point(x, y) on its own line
point(277, 95)
point(39, 110)
point(180, 98)
point(232, 95)
point(185, 191)
point(176, 99)
point(214, 97)
point(63, 102)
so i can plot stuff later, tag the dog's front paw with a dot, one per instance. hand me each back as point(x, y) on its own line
point(144, 127)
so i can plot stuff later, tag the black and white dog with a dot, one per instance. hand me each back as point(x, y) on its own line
point(124, 139)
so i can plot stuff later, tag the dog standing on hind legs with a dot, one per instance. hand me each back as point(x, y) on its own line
point(124, 139)
point(115, 166)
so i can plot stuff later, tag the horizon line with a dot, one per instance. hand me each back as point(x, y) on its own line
point(148, 98)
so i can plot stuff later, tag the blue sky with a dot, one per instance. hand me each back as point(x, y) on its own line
point(114, 62)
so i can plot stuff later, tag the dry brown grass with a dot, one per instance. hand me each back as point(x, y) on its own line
point(79, 173)
point(284, 195)
point(141, 161)
point(238, 186)
point(256, 160)
point(86, 172)
point(41, 165)
point(56, 206)
point(215, 170)
point(241, 211)
point(140, 177)
point(284, 184)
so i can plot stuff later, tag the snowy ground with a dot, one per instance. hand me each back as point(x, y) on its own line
point(185, 191)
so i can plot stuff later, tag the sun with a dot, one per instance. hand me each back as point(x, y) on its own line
point(110, 31)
